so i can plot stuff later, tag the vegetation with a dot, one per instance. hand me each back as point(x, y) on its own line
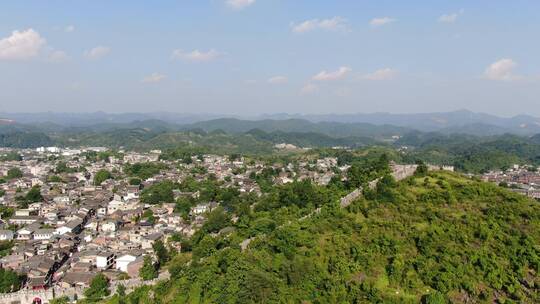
point(5, 247)
point(472, 154)
point(9, 281)
point(148, 271)
point(11, 156)
point(161, 192)
point(14, 173)
point(144, 170)
point(62, 167)
point(99, 288)
point(24, 140)
point(60, 300)
point(6, 212)
point(34, 195)
point(101, 176)
point(432, 238)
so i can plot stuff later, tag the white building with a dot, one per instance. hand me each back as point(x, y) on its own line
point(105, 260)
point(109, 226)
point(123, 261)
point(6, 235)
point(43, 234)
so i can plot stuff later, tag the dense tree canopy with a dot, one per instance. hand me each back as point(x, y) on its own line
point(437, 238)
point(101, 176)
point(14, 173)
point(144, 170)
point(148, 271)
point(9, 281)
point(99, 288)
point(161, 192)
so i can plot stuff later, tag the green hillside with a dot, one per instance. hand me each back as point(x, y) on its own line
point(436, 239)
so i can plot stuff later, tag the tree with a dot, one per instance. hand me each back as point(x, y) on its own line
point(183, 206)
point(135, 181)
point(434, 298)
point(61, 300)
point(14, 173)
point(6, 212)
point(148, 216)
point(54, 179)
point(161, 252)
point(11, 156)
point(158, 193)
point(385, 189)
point(421, 170)
point(9, 281)
point(99, 288)
point(148, 270)
point(34, 195)
point(121, 294)
point(101, 176)
point(144, 170)
point(217, 220)
point(62, 167)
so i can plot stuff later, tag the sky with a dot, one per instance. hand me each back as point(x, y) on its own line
point(248, 57)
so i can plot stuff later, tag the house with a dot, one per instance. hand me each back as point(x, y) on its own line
point(109, 226)
point(23, 220)
point(6, 235)
point(149, 240)
point(105, 260)
point(13, 261)
point(43, 234)
point(203, 208)
point(81, 279)
point(132, 192)
point(25, 233)
point(73, 226)
point(64, 200)
point(123, 261)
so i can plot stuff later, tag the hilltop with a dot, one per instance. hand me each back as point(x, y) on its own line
point(435, 238)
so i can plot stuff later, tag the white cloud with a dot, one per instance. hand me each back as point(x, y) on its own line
point(21, 45)
point(451, 18)
point(382, 74)
point(332, 24)
point(97, 53)
point(69, 29)
point(502, 69)
point(381, 21)
point(57, 56)
point(329, 76)
point(154, 78)
point(196, 55)
point(278, 80)
point(309, 89)
point(239, 4)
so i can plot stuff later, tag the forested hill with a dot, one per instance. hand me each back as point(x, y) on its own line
point(334, 129)
point(439, 238)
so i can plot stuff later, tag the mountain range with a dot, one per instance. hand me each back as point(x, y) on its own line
point(354, 124)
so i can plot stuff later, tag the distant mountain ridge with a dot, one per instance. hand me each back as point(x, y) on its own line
point(436, 121)
point(462, 121)
point(334, 129)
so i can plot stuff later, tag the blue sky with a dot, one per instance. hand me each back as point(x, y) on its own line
point(268, 56)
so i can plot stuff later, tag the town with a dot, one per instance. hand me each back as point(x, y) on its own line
point(69, 214)
point(520, 179)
